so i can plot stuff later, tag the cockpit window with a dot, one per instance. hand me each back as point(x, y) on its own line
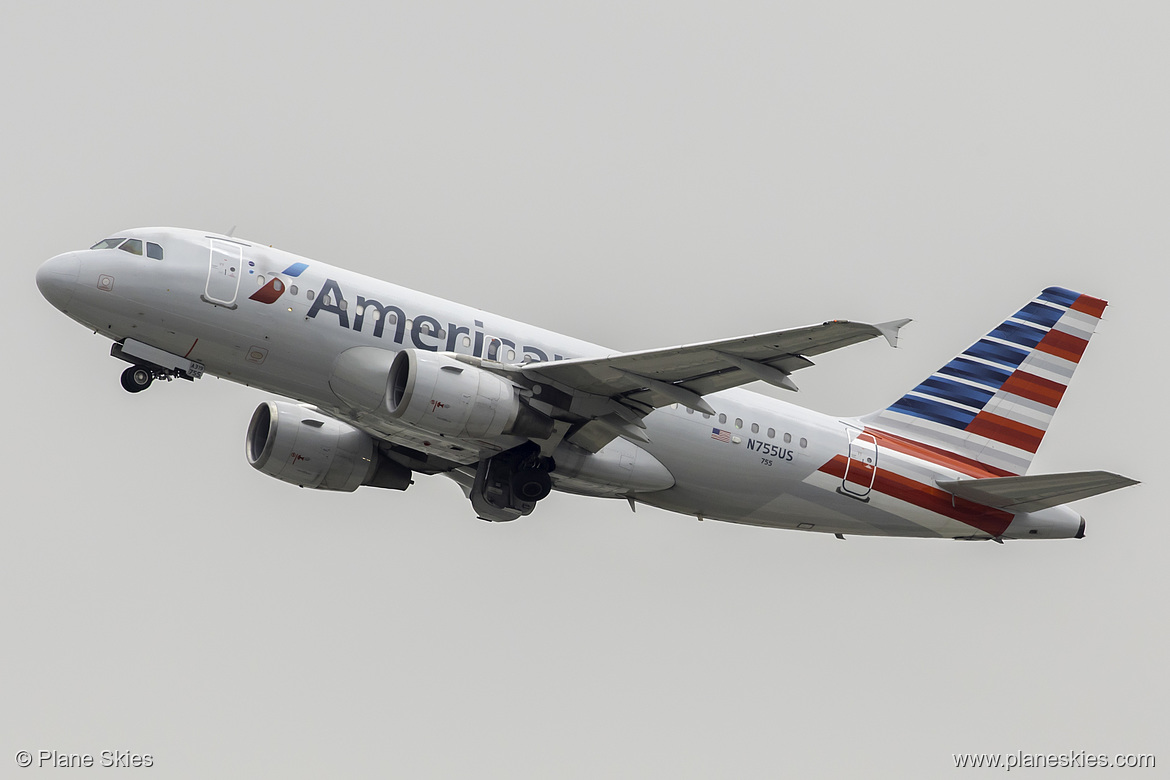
point(133, 246)
point(153, 251)
point(107, 243)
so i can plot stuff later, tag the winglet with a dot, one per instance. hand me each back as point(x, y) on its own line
point(890, 329)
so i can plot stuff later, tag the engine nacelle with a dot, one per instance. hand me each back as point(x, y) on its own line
point(298, 445)
point(442, 395)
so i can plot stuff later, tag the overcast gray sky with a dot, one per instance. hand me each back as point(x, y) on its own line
point(636, 174)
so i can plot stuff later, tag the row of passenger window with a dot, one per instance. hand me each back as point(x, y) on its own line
point(755, 428)
point(131, 245)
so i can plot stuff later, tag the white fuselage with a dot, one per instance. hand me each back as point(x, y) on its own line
point(771, 463)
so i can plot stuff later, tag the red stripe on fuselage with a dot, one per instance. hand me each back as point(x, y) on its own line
point(1063, 345)
point(932, 499)
point(1010, 432)
point(1034, 388)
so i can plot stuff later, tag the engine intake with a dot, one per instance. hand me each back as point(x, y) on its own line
point(300, 446)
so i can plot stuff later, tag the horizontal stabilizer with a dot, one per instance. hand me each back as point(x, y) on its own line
point(1035, 492)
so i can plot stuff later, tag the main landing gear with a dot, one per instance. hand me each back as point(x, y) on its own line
point(508, 485)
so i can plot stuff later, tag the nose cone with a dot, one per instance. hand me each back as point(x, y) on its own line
point(57, 278)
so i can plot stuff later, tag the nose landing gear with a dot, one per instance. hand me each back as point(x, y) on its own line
point(136, 379)
point(149, 364)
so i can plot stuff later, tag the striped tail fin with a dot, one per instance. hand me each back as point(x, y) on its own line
point(992, 404)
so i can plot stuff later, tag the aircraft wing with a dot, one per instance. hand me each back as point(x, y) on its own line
point(616, 391)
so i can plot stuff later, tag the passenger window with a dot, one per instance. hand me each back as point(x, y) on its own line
point(803, 442)
point(788, 438)
point(466, 339)
point(738, 422)
point(108, 243)
point(327, 299)
point(511, 355)
point(309, 295)
point(771, 433)
point(260, 280)
point(755, 428)
point(344, 304)
point(706, 416)
point(133, 246)
point(293, 289)
point(153, 251)
point(690, 410)
point(722, 418)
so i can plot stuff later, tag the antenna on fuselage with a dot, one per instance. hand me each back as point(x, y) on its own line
point(232, 231)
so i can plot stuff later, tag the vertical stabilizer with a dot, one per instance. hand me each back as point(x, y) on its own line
point(993, 403)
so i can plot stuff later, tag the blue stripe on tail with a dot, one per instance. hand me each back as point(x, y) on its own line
point(1017, 333)
point(997, 353)
point(973, 371)
point(1060, 295)
point(1038, 313)
point(955, 392)
point(934, 411)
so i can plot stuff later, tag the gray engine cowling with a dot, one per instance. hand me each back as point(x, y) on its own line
point(298, 445)
point(434, 392)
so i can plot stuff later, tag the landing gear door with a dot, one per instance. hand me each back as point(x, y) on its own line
point(861, 468)
point(223, 273)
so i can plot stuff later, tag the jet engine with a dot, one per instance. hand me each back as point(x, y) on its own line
point(301, 446)
point(442, 395)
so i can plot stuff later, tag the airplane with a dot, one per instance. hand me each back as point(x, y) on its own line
point(387, 383)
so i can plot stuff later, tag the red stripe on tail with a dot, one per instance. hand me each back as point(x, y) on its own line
point(1034, 388)
point(1063, 345)
point(1010, 432)
point(1087, 304)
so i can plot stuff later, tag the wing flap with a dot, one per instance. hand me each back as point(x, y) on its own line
point(1035, 492)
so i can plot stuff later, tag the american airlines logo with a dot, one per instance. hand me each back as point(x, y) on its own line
point(425, 332)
